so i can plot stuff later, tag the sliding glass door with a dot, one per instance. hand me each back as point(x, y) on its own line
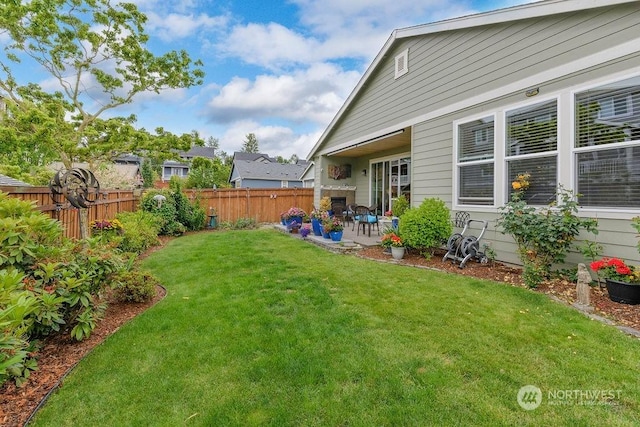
point(389, 179)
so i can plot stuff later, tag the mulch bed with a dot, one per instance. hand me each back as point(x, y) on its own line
point(59, 354)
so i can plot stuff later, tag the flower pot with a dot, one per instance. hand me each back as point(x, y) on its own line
point(622, 292)
point(336, 236)
point(397, 253)
point(316, 225)
point(325, 235)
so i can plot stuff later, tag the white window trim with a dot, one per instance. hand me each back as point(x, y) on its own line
point(597, 212)
point(457, 164)
point(566, 150)
point(284, 184)
point(404, 58)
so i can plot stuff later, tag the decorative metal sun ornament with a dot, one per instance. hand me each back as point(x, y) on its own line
point(79, 186)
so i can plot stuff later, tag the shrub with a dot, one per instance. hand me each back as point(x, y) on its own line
point(191, 215)
point(544, 236)
point(135, 286)
point(140, 231)
point(400, 206)
point(427, 226)
point(165, 210)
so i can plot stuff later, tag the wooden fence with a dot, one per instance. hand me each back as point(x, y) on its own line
point(230, 204)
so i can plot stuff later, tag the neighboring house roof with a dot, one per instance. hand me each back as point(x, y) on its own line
point(197, 151)
point(531, 10)
point(12, 182)
point(261, 166)
point(309, 171)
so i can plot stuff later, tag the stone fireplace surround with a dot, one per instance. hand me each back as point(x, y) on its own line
point(345, 193)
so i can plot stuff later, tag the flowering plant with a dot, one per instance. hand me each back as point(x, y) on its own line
point(294, 212)
point(315, 214)
point(392, 240)
point(521, 182)
point(332, 224)
point(388, 213)
point(616, 269)
point(305, 230)
point(106, 225)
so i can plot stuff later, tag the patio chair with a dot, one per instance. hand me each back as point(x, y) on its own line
point(363, 216)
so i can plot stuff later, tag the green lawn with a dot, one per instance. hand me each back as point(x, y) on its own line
point(259, 328)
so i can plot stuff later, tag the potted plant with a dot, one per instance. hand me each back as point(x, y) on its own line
point(294, 214)
point(335, 228)
point(305, 230)
point(316, 222)
point(325, 221)
point(395, 242)
point(623, 281)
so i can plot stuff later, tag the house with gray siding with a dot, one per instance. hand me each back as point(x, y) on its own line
point(258, 170)
point(457, 109)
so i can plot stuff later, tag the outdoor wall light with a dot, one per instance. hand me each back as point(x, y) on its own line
point(364, 172)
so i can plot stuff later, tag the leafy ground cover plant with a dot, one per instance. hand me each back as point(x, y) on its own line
point(427, 226)
point(48, 284)
point(543, 235)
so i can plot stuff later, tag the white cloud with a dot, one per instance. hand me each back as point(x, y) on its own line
point(272, 140)
point(312, 95)
point(174, 26)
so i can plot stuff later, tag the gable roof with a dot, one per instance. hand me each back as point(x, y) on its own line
point(531, 10)
point(197, 151)
point(251, 169)
point(12, 182)
point(261, 166)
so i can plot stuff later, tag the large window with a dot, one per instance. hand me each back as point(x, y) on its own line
point(531, 148)
point(607, 145)
point(475, 162)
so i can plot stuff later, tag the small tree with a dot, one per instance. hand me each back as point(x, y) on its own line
point(250, 145)
point(543, 235)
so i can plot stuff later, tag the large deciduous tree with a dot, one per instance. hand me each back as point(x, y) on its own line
point(95, 52)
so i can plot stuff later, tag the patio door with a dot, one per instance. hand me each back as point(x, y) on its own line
point(389, 179)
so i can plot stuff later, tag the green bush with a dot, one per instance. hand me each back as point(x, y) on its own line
point(426, 227)
point(191, 215)
point(165, 210)
point(400, 206)
point(140, 231)
point(544, 236)
point(135, 286)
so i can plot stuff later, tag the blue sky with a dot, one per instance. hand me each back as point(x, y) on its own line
point(278, 69)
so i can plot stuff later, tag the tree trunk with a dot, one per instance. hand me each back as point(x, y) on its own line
point(83, 221)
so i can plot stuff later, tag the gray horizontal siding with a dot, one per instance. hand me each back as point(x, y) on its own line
point(448, 67)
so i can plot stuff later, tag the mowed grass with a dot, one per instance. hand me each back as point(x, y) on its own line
point(259, 328)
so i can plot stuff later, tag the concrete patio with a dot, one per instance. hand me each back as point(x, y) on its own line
point(351, 239)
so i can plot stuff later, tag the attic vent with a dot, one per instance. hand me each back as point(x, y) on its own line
point(402, 64)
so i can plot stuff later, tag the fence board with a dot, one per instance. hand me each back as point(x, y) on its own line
point(230, 204)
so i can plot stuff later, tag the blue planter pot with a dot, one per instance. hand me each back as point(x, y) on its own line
point(294, 221)
point(336, 236)
point(316, 225)
point(325, 235)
